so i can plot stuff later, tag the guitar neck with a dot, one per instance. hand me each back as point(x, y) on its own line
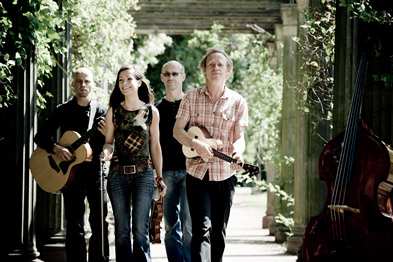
point(223, 156)
point(83, 139)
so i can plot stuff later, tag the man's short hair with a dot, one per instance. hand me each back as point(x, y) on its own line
point(212, 50)
point(82, 70)
point(176, 62)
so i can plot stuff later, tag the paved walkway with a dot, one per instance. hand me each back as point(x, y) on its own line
point(246, 240)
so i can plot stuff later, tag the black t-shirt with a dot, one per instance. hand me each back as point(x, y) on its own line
point(172, 154)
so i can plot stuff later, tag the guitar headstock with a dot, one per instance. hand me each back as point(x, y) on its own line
point(252, 170)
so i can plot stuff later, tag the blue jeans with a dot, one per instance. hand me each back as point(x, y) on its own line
point(122, 190)
point(176, 217)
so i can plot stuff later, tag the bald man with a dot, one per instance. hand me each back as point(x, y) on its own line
point(79, 114)
point(176, 213)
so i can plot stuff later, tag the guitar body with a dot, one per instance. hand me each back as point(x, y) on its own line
point(202, 135)
point(50, 172)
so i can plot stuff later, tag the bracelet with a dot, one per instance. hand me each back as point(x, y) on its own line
point(159, 179)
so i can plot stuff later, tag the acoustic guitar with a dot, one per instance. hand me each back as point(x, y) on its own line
point(203, 135)
point(53, 174)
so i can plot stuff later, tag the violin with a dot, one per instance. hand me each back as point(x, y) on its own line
point(156, 214)
point(355, 165)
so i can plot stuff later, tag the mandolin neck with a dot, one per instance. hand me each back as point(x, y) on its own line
point(223, 156)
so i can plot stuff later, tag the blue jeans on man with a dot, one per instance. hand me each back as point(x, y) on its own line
point(138, 189)
point(177, 217)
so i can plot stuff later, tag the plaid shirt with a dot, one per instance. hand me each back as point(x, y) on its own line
point(220, 120)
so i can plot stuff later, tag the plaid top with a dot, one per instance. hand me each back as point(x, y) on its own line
point(220, 120)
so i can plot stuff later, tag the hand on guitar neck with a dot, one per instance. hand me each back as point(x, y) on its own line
point(205, 146)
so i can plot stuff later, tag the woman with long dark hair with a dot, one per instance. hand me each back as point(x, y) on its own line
point(132, 144)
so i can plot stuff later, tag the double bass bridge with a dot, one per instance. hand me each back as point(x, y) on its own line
point(342, 208)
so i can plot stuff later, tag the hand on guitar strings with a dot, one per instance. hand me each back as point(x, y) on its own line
point(62, 152)
point(203, 149)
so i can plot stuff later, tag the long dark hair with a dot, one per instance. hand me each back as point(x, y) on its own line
point(144, 92)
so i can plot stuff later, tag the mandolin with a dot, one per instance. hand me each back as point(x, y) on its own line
point(202, 134)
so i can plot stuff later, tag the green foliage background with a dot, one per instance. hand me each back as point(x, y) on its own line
point(104, 39)
point(34, 28)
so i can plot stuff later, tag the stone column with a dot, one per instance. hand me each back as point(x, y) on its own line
point(25, 189)
point(278, 32)
point(271, 172)
point(309, 191)
point(285, 181)
point(301, 132)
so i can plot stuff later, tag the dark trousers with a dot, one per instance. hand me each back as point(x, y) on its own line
point(210, 204)
point(87, 184)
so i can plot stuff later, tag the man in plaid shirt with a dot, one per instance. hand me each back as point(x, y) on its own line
point(211, 185)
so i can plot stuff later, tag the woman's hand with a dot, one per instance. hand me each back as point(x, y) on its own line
point(161, 186)
point(107, 152)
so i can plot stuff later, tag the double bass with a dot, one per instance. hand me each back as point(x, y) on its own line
point(356, 166)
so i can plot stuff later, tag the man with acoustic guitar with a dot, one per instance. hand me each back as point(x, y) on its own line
point(77, 115)
point(210, 180)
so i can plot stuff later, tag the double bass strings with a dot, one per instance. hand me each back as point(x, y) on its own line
point(344, 171)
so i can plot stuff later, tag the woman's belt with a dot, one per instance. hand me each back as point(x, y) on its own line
point(130, 169)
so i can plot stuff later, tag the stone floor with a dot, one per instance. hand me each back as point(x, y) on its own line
point(246, 240)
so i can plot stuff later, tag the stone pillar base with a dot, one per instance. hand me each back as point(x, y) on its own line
point(280, 234)
point(272, 229)
point(267, 220)
point(29, 254)
point(293, 244)
point(54, 249)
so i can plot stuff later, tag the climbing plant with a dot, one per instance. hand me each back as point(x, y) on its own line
point(379, 13)
point(35, 26)
point(369, 12)
point(317, 50)
point(103, 39)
